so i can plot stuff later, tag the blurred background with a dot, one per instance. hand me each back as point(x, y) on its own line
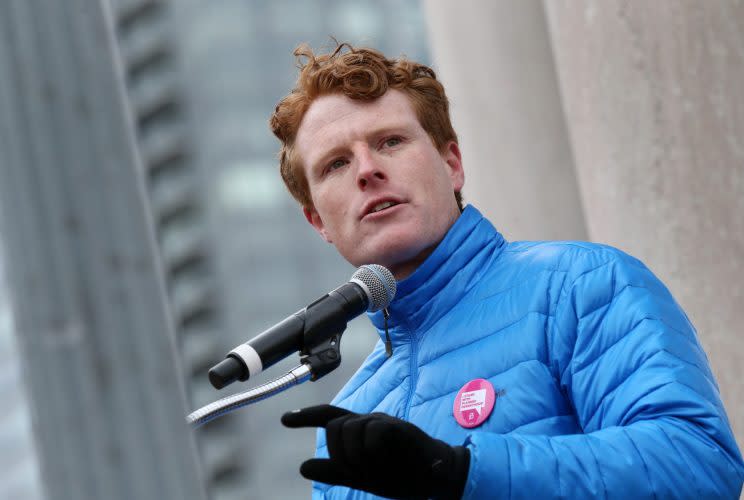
point(145, 231)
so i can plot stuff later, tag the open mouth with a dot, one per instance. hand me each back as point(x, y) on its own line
point(382, 206)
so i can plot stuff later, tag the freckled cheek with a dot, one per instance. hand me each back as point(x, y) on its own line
point(421, 164)
point(342, 216)
point(334, 207)
point(326, 196)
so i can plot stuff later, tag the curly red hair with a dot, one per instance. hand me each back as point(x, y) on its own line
point(363, 74)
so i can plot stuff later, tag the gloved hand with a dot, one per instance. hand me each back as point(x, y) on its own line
point(381, 454)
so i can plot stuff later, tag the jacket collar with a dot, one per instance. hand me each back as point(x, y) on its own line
point(443, 278)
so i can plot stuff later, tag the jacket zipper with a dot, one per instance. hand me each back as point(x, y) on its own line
point(413, 375)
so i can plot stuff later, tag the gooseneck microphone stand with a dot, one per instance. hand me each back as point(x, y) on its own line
point(223, 406)
point(314, 331)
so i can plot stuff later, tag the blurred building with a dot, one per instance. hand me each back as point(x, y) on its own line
point(92, 323)
point(148, 47)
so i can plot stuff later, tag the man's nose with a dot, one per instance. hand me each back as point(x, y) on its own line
point(369, 169)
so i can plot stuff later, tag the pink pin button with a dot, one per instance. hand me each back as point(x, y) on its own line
point(474, 403)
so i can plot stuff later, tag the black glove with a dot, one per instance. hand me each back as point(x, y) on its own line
point(381, 454)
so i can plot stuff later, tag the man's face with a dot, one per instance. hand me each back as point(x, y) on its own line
point(382, 192)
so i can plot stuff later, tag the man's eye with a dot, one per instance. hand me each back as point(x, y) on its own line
point(392, 142)
point(336, 164)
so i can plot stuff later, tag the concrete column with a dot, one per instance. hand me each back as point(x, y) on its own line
point(495, 61)
point(654, 99)
point(88, 294)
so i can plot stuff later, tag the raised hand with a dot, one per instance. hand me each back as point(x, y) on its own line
point(381, 454)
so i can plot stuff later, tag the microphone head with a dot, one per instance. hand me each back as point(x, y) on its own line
point(379, 284)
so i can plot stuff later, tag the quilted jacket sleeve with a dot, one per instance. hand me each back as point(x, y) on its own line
point(628, 359)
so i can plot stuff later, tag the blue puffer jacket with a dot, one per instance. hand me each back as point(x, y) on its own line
point(603, 388)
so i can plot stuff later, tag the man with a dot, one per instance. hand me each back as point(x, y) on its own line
point(527, 369)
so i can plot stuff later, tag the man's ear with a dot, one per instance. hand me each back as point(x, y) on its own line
point(314, 219)
point(453, 158)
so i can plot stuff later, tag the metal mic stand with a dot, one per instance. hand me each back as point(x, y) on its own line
point(320, 358)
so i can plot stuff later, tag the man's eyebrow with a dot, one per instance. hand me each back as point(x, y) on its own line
point(384, 129)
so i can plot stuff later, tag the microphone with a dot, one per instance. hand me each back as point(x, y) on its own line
point(371, 288)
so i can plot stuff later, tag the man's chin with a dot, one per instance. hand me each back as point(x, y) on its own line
point(400, 258)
